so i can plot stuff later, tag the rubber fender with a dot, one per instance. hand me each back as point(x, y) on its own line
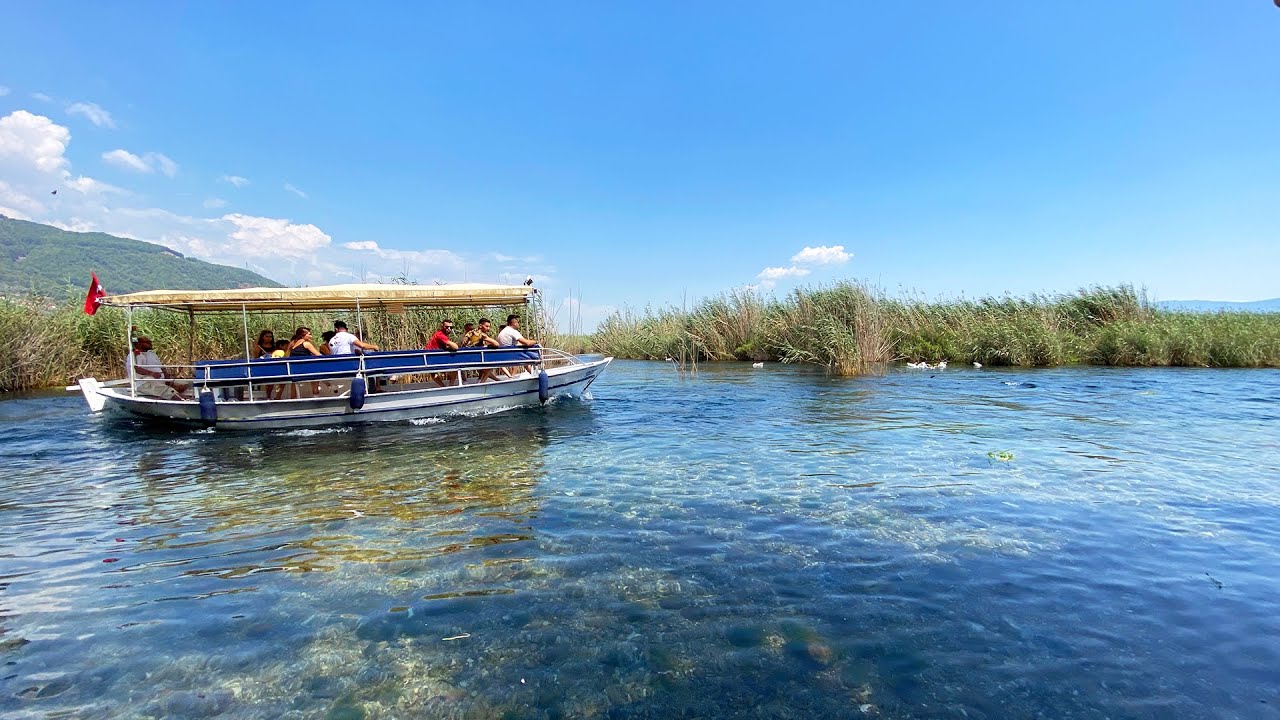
point(208, 408)
point(544, 387)
point(358, 390)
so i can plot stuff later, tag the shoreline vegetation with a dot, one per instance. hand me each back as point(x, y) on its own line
point(847, 328)
point(852, 329)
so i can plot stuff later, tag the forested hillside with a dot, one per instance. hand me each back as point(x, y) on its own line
point(41, 259)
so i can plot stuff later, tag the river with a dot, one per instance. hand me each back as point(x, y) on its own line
point(1067, 543)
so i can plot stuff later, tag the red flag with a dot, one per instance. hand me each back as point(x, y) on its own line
point(94, 298)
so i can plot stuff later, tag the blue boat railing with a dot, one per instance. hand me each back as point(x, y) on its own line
point(371, 364)
point(377, 364)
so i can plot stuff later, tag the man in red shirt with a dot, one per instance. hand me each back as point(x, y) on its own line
point(441, 341)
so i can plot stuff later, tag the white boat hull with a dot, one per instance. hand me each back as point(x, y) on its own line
point(391, 406)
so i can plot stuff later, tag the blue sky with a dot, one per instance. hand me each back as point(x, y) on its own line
point(645, 153)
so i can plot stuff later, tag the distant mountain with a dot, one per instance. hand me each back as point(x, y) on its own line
point(1272, 305)
point(42, 259)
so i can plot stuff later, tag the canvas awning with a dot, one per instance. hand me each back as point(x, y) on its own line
point(328, 297)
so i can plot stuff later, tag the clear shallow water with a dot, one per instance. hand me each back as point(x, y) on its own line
point(750, 543)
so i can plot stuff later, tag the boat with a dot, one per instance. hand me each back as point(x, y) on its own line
point(375, 386)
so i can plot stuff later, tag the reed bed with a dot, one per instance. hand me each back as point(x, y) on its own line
point(54, 343)
point(850, 329)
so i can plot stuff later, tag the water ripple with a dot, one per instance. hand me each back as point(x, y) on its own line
point(1072, 543)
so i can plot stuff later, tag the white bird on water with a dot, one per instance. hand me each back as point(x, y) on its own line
point(757, 365)
point(942, 365)
point(977, 366)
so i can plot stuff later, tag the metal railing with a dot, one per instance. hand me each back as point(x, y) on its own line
point(295, 371)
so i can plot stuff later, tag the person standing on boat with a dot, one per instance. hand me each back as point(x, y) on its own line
point(344, 343)
point(147, 372)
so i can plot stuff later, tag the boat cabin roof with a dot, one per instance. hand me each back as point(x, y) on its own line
point(328, 297)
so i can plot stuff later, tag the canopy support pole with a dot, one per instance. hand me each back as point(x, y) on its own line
point(128, 350)
point(359, 320)
point(248, 369)
point(191, 338)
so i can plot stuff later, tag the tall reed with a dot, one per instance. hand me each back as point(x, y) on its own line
point(850, 328)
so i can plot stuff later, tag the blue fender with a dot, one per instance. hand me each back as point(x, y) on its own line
point(208, 408)
point(544, 387)
point(358, 390)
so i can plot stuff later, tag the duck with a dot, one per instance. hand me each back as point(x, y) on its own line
point(977, 366)
point(757, 365)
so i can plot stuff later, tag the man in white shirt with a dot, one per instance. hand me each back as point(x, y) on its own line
point(144, 368)
point(344, 343)
point(511, 337)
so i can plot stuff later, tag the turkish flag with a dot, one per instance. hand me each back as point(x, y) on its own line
point(94, 298)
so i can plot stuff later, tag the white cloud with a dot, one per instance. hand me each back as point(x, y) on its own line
point(4, 91)
point(289, 187)
point(167, 167)
point(147, 163)
point(262, 236)
point(235, 180)
point(88, 186)
point(41, 97)
point(821, 255)
point(771, 275)
point(777, 273)
point(93, 112)
point(34, 140)
point(34, 163)
point(214, 203)
point(124, 159)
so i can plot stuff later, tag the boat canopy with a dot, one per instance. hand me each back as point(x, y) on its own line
point(328, 297)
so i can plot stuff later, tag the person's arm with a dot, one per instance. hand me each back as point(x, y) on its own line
point(451, 344)
point(364, 345)
point(489, 342)
point(526, 342)
point(139, 369)
point(307, 344)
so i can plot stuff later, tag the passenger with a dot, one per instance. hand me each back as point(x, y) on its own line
point(143, 367)
point(301, 346)
point(511, 337)
point(273, 392)
point(484, 334)
point(440, 341)
point(468, 333)
point(344, 343)
point(265, 346)
point(325, 337)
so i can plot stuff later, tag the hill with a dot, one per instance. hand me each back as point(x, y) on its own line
point(42, 259)
point(1272, 305)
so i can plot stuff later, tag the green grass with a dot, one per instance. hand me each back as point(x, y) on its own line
point(847, 328)
point(852, 329)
